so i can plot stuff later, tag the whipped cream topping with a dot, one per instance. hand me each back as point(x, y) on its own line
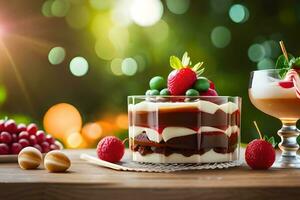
point(172, 132)
point(264, 87)
point(208, 157)
point(204, 106)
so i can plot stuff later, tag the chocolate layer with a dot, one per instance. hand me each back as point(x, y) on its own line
point(187, 145)
point(189, 117)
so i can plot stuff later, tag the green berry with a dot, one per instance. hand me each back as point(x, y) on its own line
point(192, 92)
point(157, 83)
point(147, 92)
point(202, 84)
point(164, 92)
point(154, 92)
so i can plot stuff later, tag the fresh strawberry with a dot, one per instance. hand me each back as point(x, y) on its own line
point(182, 77)
point(180, 80)
point(260, 154)
point(286, 84)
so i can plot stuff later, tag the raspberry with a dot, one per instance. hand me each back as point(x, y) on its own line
point(209, 92)
point(110, 149)
point(16, 148)
point(24, 135)
point(24, 143)
point(21, 127)
point(4, 149)
point(10, 126)
point(5, 137)
point(260, 154)
point(211, 85)
point(40, 136)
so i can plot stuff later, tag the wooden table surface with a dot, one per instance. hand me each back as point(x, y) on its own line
point(93, 182)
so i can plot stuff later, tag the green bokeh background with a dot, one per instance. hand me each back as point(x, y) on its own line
point(32, 30)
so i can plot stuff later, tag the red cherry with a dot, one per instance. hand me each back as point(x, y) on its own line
point(211, 85)
point(24, 143)
point(14, 137)
point(45, 147)
point(4, 149)
point(32, 129)
point(2, 122)
point(10, 126)
point(40, 136)
point(38, 147)
point(260, 154)
point(21, 127)
point(15, 148)
point(54, 147)
point(180, 80)
point(50, 139)
point(32, 140)
point(209, 92)
point(286, 84)
point(24, 135)
point(5, 137)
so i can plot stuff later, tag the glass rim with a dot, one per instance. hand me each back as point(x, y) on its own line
point(181, 96)
point(265, 70)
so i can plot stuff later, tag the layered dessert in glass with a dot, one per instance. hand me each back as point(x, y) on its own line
point(180, 129)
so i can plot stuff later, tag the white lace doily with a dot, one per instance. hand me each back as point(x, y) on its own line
point(127, 165)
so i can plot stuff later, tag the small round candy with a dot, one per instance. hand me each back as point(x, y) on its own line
point(192, 92)
point(154, 92)
point(56, 161)
point(202, 84)
point(30, 158)
point(157, 83)
point(164, 92)
point(147, 93)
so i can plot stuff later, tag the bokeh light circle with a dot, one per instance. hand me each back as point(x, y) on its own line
point(92, 131)
point(178, 6)
point(256, 52)
point(79, 66)
point(61, 120)
point(265, 63)
point(78, 17)
point(158, 32)
point(220, 36)
point(105, 49)
point(74, 140)
point(238, 13)
point(146, 12)
point(100, 4)
point(46, 8)
point(56, 55)
point(121, 13)
point(60, 8)
point(116, 66)
point(129, 66)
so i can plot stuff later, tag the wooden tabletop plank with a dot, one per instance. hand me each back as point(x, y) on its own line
point(85, 179)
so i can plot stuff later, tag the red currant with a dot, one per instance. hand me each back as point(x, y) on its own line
point(45, 147)
point(4, 149)
point(32, 129)
point(10, 126)
point(50, 139)
point(22, 127)
point(24, 143)
point(16, 148)
point(24, 135)
point(32, 139)
point(38, 147)
point(40, 136)
point(5, 137)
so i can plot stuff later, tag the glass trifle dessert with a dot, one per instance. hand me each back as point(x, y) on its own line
point(184, 120)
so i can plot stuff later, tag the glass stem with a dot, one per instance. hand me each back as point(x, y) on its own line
point(288, 134)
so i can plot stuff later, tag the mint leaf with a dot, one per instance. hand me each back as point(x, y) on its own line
point(175, 62)
point(283, 65)
point(295, 62)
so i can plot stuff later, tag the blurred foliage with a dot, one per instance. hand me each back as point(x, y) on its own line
point(233, 38)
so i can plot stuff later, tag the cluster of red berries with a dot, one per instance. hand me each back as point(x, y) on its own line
point(14, 137)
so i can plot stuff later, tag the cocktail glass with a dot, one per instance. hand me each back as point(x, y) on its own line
point(277, 97)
